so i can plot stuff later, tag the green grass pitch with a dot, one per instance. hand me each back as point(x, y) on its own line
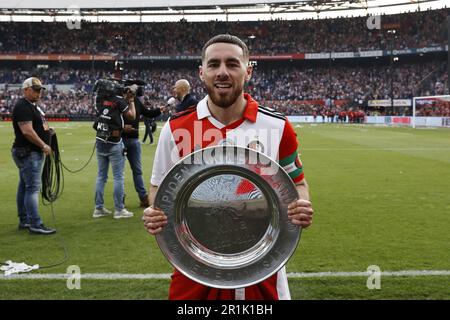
point(381, 197)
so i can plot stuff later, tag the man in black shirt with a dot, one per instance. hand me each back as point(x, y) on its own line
point(132, 144)
point(150, 127)
point(181, 91)
point(30, 145)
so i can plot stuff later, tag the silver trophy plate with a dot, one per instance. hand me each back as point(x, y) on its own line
point(227, 217)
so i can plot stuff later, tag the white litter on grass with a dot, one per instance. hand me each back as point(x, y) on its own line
point(11, 267)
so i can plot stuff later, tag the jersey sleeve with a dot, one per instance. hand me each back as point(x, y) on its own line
point(166, 156)
point(288, 155)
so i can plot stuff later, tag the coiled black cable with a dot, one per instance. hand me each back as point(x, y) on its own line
point(53, 184)
point(53, 175)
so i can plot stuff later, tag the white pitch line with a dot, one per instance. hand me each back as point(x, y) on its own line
point(92, 276)
point(402, 273)
point(150, 276)
point(376, 149)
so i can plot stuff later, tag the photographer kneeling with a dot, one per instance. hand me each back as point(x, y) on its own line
point(110, 149)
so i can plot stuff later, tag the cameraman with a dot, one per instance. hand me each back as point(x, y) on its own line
point(110, 149)
point(130, 137)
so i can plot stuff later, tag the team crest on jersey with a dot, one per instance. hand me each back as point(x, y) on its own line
point(105, 111)
point(256, 145)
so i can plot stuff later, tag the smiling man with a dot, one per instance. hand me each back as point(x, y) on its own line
point(29, 149)
point(225, 115)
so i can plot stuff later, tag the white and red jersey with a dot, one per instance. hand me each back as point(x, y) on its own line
point(260, 128)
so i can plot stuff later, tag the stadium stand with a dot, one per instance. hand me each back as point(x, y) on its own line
point(417, 30)
point(295, 87)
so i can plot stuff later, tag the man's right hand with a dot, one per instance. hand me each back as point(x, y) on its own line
point(154, 220)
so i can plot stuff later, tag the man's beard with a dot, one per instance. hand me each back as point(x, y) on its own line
point(223, 101)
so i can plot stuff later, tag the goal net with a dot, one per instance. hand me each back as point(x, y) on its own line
point(431, 111)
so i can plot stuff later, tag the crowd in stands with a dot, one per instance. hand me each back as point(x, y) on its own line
point(291, 90)
point(347, 82)
point(433, 107)
point(415, 30)
point(52, 102)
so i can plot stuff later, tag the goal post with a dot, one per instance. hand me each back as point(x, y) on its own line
point(430, 111)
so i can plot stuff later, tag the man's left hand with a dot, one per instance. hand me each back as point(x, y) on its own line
point(300, 213)
point(128, 128)
point(130, 94)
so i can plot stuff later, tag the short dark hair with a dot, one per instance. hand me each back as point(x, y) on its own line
point(227, 38)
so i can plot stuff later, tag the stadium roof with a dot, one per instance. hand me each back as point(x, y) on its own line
point(173, 10)
point(160, 4)
point(110, 4)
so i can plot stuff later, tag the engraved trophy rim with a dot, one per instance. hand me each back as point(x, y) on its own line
point(225, 270)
